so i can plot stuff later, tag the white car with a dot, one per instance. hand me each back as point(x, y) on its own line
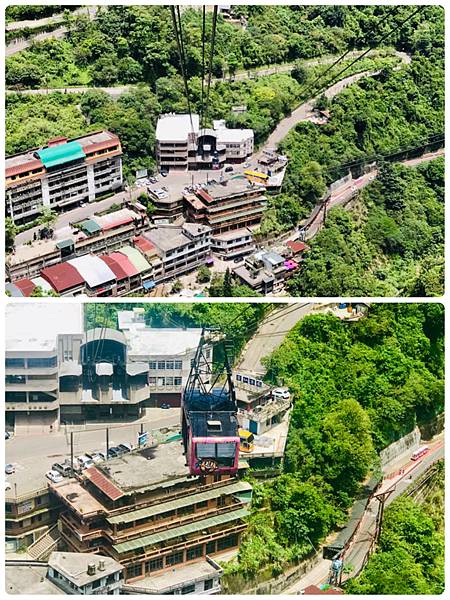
point(54, 476)
point(85, 462)
point(281, 393)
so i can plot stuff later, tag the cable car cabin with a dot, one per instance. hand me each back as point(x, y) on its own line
point(210, 432)
point(256, 176)
point(419, 453)
point(246, 440)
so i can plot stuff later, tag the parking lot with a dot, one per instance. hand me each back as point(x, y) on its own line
point(32, 456)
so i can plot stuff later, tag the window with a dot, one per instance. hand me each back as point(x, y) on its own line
point(175, 558)
point(203, 504)
point(178, 364)
point(15, 379)
point(195, 552)
point(42, 363)
point(228, 542)
point(177, 381)
point(192, 362)
point(162, 364)
point(169, 380)
point(15, 362)
point(156, 564)
point(161, 381)
point(134, 571)
point(152, 380)
point(152, 365)
point(188, 589)
point(209, 584)
point(210, 547)
point(96, 584)
point(169, 364)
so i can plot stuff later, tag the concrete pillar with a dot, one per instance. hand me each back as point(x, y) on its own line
point(45, 192)
point(91, 182)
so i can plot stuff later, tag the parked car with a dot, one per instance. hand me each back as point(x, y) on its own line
point(96, 457)
point(85, 462)
point(281, 393)
point(10, 469)
point(165, 405)
point(7, 435)
point(152, 179)
point(125, 447)
point(63, 469)
point(229, 169)
point(54, 476)
point(114, 452)
point(164, 173)
point(238, 259)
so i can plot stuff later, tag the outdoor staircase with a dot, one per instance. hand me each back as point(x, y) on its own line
point(43, 546)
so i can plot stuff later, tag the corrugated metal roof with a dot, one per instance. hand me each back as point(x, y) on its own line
point(136, 258)
point(162, 536)
point(62, 277)
point(150, 511)
point(103, 483)
point(90, 226)
point(93, 270)
point(40, 282)
point(125, 264)
point(61, 154)
point(114, 219)
point(144, 245)
point(26, 286)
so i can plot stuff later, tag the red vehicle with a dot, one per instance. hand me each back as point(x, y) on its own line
point(419, 453)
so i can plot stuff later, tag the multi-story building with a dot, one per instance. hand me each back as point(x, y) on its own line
point(33, 347)
point(181, 249)
point(145, 511)
point(62, 174)
point(76, 573)
point(232, 204)
point(168, 205)
point(182, 144)
point(233, 244)
point(100, 233)
point(263, 271)
point(169, 354)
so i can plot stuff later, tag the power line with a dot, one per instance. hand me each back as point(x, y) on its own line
point(211, 54)
point(180, 46)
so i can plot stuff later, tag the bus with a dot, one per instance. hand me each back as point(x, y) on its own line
point(256, 177)
point(420, 452)
point(246, 440)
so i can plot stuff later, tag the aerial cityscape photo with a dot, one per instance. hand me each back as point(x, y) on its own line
point(226, 150)
point(224, 299)
point(224, 448)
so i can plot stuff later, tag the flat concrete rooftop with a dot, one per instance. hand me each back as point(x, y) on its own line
point(155, 342)
point(149, 467)
point(35, 326)
point(31, 581)
point(177, 576)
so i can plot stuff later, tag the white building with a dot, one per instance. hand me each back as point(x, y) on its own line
point(78, 573)
point(33, 343)
point(169, 353)
point(182, 144)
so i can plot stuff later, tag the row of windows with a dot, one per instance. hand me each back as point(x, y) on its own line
point(164, 381)
point(165, 365)
point(40, 363)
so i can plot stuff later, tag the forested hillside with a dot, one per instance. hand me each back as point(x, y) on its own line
point(357, 387)
point(391, 243)
point(410, 557)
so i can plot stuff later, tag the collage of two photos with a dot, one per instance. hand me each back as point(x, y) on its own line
point(224, 299)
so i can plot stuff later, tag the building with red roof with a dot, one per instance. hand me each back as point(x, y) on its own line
point(297, 247)
point(26, 286)
point(64, 278)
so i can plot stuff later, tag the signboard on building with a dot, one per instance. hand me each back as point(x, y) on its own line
point(248, 380)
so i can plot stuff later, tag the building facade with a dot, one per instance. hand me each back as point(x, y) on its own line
point(227, 206)
point(182, 144)
point(153, 521)
point(85, 574)
point(62, 174)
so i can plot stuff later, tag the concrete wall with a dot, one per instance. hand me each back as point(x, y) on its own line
point(405, 445)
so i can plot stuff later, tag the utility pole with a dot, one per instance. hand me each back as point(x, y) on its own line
point(71, 453)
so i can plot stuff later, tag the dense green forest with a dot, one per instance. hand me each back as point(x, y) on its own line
point(357, 387)
point(391, 243)
point(410, 556)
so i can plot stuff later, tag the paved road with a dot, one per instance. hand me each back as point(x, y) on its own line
point(239, 76)
point(270, 335)
point(19, 44)
point(363, 539)
point(78, 214)
point(35, 23)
